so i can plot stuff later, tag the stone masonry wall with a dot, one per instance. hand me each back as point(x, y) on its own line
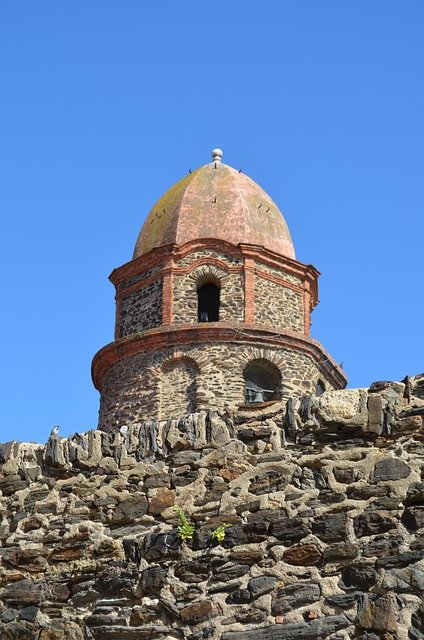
point(141, 276)
point(178, 387)
point(207, 253)
point(142, 309)
point(280, 272)
point(132, 391)
point(231, 298)
point(277, 305)
point(321, 503)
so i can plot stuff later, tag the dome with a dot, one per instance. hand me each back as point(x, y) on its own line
point(215, 201)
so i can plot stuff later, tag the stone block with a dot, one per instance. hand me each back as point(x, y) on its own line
point(289, 529)
point(415, 494)
point(192, 572)
point(390, 469)
point(413, 517)
point(130, 509)
point(359, 577)
point(331, 527)
point(346, 407)
point(240, 596)
point(161, 501)
point(381, 547)
point(345, 475)
point(152, 581)
point(197, 612)
point(295, 595)
point(378, 613)
point(303, 555)
point(318, 629)
point(342, 600)
point(163, 545)
point(260, 586)
point(341, 552)
point(21, 630)
point(375, 415)
point(373, 522)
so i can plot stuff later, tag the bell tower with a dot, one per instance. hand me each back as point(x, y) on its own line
point(213, 309)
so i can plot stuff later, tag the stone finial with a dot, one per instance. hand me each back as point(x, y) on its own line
point(216, 155)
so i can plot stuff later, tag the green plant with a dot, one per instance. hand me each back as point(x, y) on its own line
point(185, 527)
point(218, 534)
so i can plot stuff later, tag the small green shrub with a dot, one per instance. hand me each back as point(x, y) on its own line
point(185, 527)
point(218, 534)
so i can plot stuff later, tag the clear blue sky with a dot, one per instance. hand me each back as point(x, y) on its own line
point(105, 104)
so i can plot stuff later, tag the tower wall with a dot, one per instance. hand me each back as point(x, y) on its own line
point(141, 309)
point(231, 294)
point(278, 305)
point(265, 302)
point(148, 384)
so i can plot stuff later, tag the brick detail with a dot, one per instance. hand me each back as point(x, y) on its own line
point(249, 290)
point(168, 295)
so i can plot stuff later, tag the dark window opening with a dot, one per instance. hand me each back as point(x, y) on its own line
point(208, 303)
point(262, 382)
point(320, 388)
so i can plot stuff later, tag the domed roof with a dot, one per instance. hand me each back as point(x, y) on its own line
point(215, 201)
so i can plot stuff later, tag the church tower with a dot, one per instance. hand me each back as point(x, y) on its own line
point(213, 309)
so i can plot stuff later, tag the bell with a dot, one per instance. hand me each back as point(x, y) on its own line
point(259, 396)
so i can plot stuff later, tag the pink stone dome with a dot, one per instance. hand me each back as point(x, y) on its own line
point(219, 202)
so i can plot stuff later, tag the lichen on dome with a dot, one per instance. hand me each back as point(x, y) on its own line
point(219, 202)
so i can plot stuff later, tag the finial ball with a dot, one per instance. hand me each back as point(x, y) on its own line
point(217, 155)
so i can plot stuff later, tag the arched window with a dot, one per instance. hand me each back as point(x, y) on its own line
point(208, 302)
point(262, 381)
point(320, 388)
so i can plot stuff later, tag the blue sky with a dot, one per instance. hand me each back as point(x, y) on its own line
point(105, 104)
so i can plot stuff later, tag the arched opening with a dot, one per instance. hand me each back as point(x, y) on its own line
point(320, 388)
point(208, 302)
point(178, 387)
point(262, 381)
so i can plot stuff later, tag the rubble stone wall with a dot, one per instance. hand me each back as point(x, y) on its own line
point(308, 523)
point(142, 309)
point(145, 275)
point(178, 387)
point(279, 273)
point(131, 387)
point(277, 305)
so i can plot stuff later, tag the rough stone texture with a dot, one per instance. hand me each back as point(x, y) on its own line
point(185, 291)
point(280, 273)
point(179, 387)
point(141, 309)
point(145, 275)
point(90, 548)
point(152, 383)
point(277, 305)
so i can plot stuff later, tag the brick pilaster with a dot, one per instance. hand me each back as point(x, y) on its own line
point(307, 310)
point(249, 290)
point(168, 294)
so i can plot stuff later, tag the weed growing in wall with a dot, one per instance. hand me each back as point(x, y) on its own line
point(185, 527)
point(218, 534)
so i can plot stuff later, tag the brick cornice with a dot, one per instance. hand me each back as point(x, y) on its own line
point(199, 262)
point(215, 332)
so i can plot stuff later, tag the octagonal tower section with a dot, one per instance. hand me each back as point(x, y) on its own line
point(213, 310)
